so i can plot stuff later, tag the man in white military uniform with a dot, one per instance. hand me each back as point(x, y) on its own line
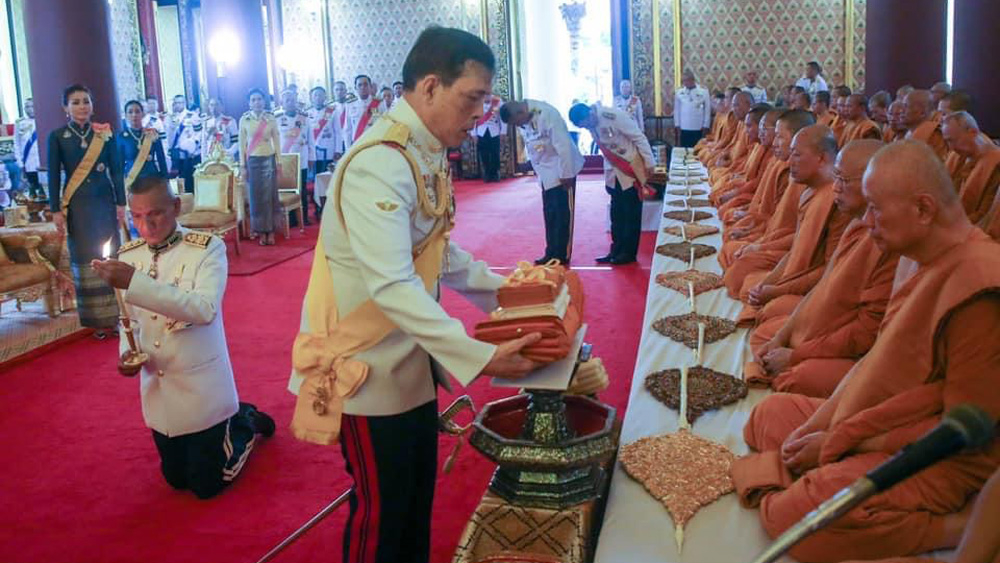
point(628, 102)
point(340, 117)
point(759, 94)
point(219, 129)
point(692, 111)
point(293, 129)
point(489, 128)
point(183, 141)
point(362, 112)
point(388, 429)
point(173, 281)
point(26, 149)
point(556, 161)
point(628, 163)
point(322, 130)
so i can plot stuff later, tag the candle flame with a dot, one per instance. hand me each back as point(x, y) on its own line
point(106, 250)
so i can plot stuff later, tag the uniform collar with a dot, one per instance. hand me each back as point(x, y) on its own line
point(172, 241)
point(403, 112)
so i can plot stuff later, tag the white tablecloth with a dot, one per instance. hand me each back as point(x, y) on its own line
point(637, 528)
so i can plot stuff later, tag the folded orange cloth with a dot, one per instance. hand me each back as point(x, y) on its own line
point(532, 285)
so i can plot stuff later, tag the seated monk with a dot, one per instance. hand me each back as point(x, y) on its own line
point(878, 108)
point(821, 109)
point(930, 355)
point(903, 90)
point(711, 156)
point(976, 168)
point(746, 201)
point(956, 100)
point(838, 95)
point(772, 213)
point(718, 99)
point(980, 541)
point(897, 124)
point(938, 91)
point(857, 125)
point(735, 156)
point(727, 129)
point(920, 123)
point(738, 190)
point(818, 228)
point(809, 351)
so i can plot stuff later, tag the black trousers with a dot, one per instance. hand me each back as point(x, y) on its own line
point(556, 210)
point(321, 166)
point(34, 188)
point(488, 148)
point(690, 138)
point(208, 461)
point(184, 167)
point(626, 221)
point(393, 460)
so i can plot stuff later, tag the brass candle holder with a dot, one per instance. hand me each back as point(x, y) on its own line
point(132, 359)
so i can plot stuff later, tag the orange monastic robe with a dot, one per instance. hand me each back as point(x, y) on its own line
point(760, 215)
point(889, 134)
point(727, 128)
point(976, 181)
point(713, 133)
point(738, 154)
point(930, 355)
point(741, 189)
point(738, 140)
point(862, 129)
point(838, 126)
point(930, 132)
point(828, 119)
point(836, 323)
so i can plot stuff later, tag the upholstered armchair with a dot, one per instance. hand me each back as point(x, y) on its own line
point(26, 275)
point(216, 206)
point(289, 189)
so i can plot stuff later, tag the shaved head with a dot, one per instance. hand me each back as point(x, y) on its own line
point(939, 90)
point(912, 204)
point(742, 102)
point(919, 105)
point(768, 123)
point(903, 91)
point(814, 149)
point(956, 100)
point(961, 133)
point(878, 106)
point(857, 107)
point(841, 91)
point(849, 169)
point(896, 112)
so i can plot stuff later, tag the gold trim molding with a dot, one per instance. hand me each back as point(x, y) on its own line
point(678, 59)
point(657, 63)
point(849, 24)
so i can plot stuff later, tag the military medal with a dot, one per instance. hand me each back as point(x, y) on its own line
point(100, 167)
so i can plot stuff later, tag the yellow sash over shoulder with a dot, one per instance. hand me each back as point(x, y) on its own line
point(324, 356)
point(102, 132)
point(148, 136)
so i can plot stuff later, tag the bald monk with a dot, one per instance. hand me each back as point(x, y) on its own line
point(739, 190)
point(718, 103)
point(956, 100)
point(754, 200)
point(744, 174)
point(801, 101)
point(920, 122)
point(980, 541)
point(931, 354)
point(818, 229)
point(770, 218)
point(726, 131)
point(821, 108)
point(857, 125)
point(809, 351)
point(736, 154)
point(938, 91)
point(878, 107)
point(903, 90)
point(837, 96)
point(977, 173)
point(897, 124)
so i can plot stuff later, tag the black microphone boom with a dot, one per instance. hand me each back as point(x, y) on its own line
point(965, 426)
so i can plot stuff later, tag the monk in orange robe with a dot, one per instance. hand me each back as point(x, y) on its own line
point(956, 100)
point(857, 125)
point(818, 228)
point(718, 103)
point(977, 173)
point(930, 355)
point(770, 218)
point(733, 157)
point(938, 91)
point(744, 176)
point(837, 96)
point(809, 351)
point(821, 109)
point(878, 108)
point(726, 132)
point(920, 123)
point(990, 223)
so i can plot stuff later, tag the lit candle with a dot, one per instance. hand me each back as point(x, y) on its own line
point(691, 263)
point(691, 294)
point(122, 314)
point(683, 410)
point(701, 341)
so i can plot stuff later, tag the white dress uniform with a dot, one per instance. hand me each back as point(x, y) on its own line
point(26, 137)
point(617, 131)
point(340, 127)
point(373, 260)
point(223, 129)
point(813, 86)
point(551, 150)
point(323, 132)
point(184, 133)
point(494, 125)
point(356, 109)
point(296, 136)
point(759, 94)
point(631, 105)
point(692, 109)
point(175, 301)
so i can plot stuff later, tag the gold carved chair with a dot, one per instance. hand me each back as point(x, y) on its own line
point(289, 186)
point(26, 275)
point(216, 206)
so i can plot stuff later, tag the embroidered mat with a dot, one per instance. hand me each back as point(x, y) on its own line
point(690, 202)
point(678, 281)
point(684, 192)
point(684, 328)
point(682, 250)
point(707, 389)
point(691, 230)
point(687, 215)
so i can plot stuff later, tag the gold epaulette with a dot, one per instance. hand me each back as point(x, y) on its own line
point(200, 240)
point(131, 245)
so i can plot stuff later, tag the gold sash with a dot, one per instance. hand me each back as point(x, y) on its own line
point(323, 356)
point(148, 136)
point(86, 165)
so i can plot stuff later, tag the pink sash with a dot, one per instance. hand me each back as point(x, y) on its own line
point(363, 123)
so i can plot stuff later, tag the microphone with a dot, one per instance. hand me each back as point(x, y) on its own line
point(964, 427)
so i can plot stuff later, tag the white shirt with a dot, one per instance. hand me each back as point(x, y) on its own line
point(296, 136)
point(551, 150)
point(692, 109)
point(813, 86)
point(323, 132)
point(631, 105)
point(618, 133)
point(759, 94)
point(187, 385)
point(355, 111)
point(223, 129)
point(24, 133)
point(184, 133)
point(372, 259)
point(494, 125)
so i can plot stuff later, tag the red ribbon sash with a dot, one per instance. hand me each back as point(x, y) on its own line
point(365, 118)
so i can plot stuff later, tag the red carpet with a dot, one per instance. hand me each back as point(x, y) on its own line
point(80, 478)
point(256, 258)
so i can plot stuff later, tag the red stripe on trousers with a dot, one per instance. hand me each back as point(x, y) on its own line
point(364, 545)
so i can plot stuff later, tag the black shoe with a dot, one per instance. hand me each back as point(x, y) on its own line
point(619, 260)
point(604, 259)
point(262, 422)
point(542, 260)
